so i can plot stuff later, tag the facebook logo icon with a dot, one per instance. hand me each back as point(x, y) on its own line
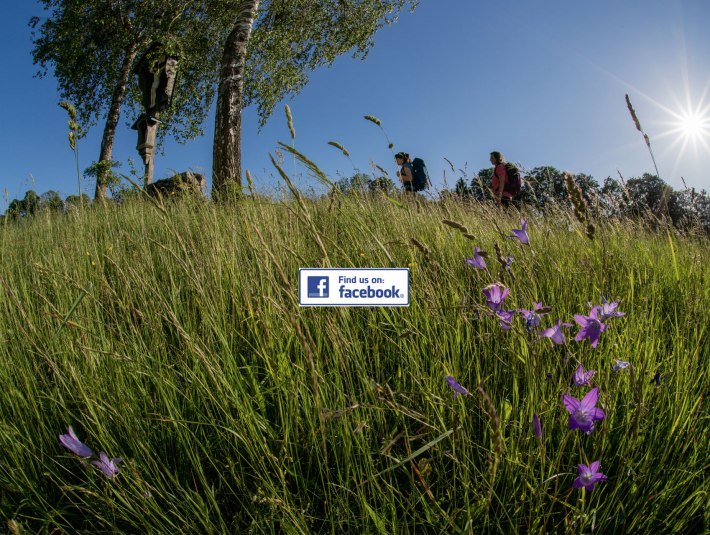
point(317, 286)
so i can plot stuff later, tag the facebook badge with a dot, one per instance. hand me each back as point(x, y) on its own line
point(353, 287)
point(318, 286)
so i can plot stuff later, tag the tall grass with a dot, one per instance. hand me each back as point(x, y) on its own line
point(175, 340)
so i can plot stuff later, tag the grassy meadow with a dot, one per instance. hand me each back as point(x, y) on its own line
point(172, 338)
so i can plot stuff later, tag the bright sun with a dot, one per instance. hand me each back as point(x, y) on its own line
point(689, 128)
point(693, 125)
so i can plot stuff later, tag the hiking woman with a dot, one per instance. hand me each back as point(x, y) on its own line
point(405, 173)
point(500, 177)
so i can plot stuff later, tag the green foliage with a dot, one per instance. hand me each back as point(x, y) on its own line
point(291, 38)
point(646, 197)
point(75, 201)
point(461, 188)
point(362, 183)
point(382, 184)
point(106, 170)
point(176, 342)
point(124, 193)
point(358, 183)
point(28, 206)
point(52, 201)
point(649, 192)
point(547, 185)
point(84, 44)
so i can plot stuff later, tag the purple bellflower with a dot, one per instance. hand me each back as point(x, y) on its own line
point(621, 365)
point(588, 476)
point(107, 466)
point(590, 327)
point(477, 261)
point(656, 379)
point(555, 333)
point(537, 426)
point(505, 317)
point(71, 442)
point(581, 377)
point(456, 387)
point(583, 414)
point(532, 317)
point(495, 294)
point(608, 310)
point(522, 234)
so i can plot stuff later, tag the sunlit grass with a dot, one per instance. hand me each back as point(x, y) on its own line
point(176, 342)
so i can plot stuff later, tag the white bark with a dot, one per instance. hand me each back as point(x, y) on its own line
point(226, 154)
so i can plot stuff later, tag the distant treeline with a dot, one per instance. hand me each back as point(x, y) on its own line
point(647, 196)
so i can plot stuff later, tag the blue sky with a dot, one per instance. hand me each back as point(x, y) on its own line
point(542, 81)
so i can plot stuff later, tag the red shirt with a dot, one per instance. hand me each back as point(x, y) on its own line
point(500, 173)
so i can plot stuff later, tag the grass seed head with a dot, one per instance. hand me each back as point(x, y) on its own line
point(419, 245)
point(454, 224)
point(339, 147)
point(70, 109)
point(289, 120)
point(633, 114)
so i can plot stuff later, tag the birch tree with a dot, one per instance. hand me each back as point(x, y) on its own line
point(91, 46)
point(270, 50)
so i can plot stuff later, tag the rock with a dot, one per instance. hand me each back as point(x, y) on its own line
point(179, 184)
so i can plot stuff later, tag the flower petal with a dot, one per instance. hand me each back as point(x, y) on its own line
point(571, 403)
point(590, 400)
point(73, 444)
point(596, 478)
point(581, 320)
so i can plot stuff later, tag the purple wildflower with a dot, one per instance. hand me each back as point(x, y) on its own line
point(555, 333)
point(583, 414)
point(581, 377)
point(532, 317)
point(456, 387)
point(621, 365)
point(537, 426)
point(656, 378)
point(588, 476)
point(505, 317)
point(71, 442)
point(608, 310)
point(590, 327)
point(495, 294)
point(522, 234)
point(106, 465)
point(477, 261)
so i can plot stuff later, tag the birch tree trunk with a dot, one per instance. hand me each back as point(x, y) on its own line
point(227, 150)
point(114, 114)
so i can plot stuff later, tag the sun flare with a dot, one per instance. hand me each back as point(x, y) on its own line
point(693, 125)
point(688, 130)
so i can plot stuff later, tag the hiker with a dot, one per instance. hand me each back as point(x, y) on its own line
point(500, 179)
point(405, 172)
